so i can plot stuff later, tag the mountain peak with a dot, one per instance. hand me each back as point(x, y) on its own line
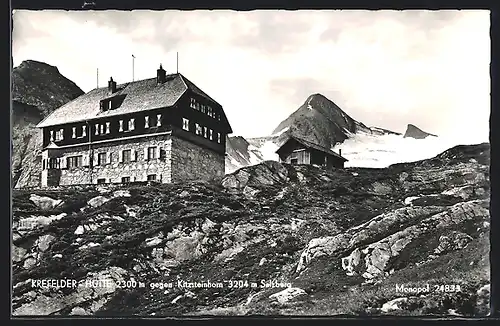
point(34, 64)
point(413, 131)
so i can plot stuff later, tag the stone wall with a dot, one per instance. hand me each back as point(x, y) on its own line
point(192, 162)
point(113, 170)
point(179, 160)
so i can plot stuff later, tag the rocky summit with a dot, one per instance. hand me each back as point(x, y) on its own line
point(272, 239)
point(413, 131)
point(37, 90)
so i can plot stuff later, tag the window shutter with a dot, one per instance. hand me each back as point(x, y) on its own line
point(145, 154)
point(133, 155)
point(108, 157)
point(120, 156)
point(63, 162)
point(158, 152)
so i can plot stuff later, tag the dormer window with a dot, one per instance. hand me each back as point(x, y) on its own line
point(193, 103)
point(74, 132)
point(107, 127)
point(146, 122)
point(84, 131)
point(158, 120)
point(209, 111)
point(131, 124)
point(121, 125)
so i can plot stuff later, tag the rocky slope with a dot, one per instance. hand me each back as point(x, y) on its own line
point(37, 89)
point(415, 132)
point(278, 239)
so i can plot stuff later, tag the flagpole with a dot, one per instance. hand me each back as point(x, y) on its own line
point(177, 62)
point(133, 57)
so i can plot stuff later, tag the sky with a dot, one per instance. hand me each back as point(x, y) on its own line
point(383, 68)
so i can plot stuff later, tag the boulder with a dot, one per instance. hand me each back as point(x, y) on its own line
point(287, 295)
point(97, 201)
point(44, 202)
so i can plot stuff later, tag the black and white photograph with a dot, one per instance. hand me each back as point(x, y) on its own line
point(201, 163)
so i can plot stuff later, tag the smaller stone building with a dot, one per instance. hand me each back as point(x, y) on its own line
point(162, 129)
point(297, 150)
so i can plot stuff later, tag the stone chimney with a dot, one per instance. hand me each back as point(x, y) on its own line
point(161, 75)
point(111, 85)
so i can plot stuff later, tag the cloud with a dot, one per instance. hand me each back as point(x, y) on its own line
point(384, 68)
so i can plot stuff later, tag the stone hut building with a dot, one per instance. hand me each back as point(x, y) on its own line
point(162, 129)
point(300, 151)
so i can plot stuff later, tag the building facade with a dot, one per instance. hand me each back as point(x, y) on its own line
point(300, 151)
point(162, 129)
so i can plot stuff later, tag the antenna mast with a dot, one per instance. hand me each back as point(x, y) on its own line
point(97, 78)
point(177, 62)
point(133, 57)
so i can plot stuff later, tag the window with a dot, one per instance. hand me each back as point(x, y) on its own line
point(60, 134)
point(131, 124)
point(74, 132)
point(209, 111)
point(84, 131)
point(146, 122)
point(53, 163)
point(107, 127)
point(125, 179)
point(151, 153)
point(102, 129)
point(197, 106)
point(218, 137)
point(193, 103)
point(97, 129)
point(127, 156)
point(158, 120)
point(185, 124)
point(101, 181)
point(205, 132)
point(52, 135)
point(75, 161)
point(109, 105)
point(294, 161)
point(101, 158)
point(152, 177)
point(121, 125)
point(203, 110)
point(218, 116)
point(211, 133)
point(198, 129)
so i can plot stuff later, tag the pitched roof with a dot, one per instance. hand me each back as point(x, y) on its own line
point(310, 144)
point(141, 95)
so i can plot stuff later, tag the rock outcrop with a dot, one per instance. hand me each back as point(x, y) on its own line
point(271, 239)
point(37, 90)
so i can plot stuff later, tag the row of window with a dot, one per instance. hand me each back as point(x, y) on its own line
point(201, 131)
point(149, 177)
point(206, 109)
point(102, 158)
point(102, 129)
